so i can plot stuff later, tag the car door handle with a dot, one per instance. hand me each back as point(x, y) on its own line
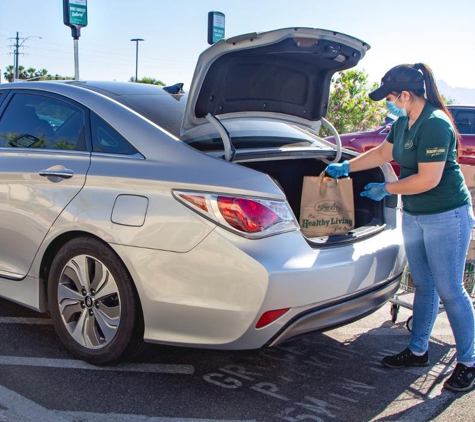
point(63, 173)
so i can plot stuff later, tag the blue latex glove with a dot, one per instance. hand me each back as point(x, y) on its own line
point(338, 169)
point(375, 191)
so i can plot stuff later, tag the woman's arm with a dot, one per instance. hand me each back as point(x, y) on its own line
point(383, 153)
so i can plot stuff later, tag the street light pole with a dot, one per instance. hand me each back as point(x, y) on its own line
point(136, 40)
point(17, 52)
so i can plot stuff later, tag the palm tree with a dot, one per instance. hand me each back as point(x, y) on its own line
point(9, 73)
point(42, 73)
point(29, 73)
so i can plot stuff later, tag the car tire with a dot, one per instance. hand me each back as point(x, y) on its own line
point(93, 302)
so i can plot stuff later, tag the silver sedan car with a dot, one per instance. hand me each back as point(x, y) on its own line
point(135, 213)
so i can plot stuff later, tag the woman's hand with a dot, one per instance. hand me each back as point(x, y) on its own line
point(338, 169)
point(375, 191)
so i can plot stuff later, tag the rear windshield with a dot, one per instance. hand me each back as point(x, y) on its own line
point(164, 110)
point(251, 133)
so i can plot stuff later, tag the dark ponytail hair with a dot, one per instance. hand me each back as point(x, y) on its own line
point(420, 72)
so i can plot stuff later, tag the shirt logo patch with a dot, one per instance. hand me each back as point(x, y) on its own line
point(409, 144)
point(433, 152)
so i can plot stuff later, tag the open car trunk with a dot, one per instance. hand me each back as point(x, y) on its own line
point(289, 174)
point(282, 76)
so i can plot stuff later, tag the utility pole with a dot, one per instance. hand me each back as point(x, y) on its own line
point(16, 53)
point(136, 56)
point(15, 60)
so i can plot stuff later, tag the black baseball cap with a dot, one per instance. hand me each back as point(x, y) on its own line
point(387, 87)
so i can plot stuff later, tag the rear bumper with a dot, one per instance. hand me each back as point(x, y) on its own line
point(214, 295)
point(339, 312)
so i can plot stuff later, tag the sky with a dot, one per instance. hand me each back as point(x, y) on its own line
point(440, 33)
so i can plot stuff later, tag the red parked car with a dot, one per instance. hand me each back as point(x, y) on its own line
point(464, 118)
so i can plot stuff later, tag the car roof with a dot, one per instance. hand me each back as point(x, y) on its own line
point(460, 106)
point(157, 103)
point(108, 88)
point(115, 88)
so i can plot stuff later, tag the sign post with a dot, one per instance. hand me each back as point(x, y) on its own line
point(216, 25)
point(75, 16)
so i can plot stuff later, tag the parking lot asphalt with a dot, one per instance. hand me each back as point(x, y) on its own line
point(331, 376)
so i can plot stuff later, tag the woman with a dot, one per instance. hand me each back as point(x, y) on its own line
point(437, 217)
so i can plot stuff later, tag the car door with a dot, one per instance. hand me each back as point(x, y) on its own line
point(43, 165)
point(464, 119)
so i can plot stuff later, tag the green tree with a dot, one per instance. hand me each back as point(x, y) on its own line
point(146, 80)
point(37, 74)
point(9, 73)
point(350, 109)
point(30, 74)
point(447, 100)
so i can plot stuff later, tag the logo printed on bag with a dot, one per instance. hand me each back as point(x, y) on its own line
point(337, 224)
point(328, 207)
point(315, 223)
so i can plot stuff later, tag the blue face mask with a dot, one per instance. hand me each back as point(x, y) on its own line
point(394, 109)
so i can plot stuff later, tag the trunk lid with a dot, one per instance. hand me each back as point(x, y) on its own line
point(283, 75)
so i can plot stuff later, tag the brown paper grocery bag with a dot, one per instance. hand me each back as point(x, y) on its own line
point(327, 206)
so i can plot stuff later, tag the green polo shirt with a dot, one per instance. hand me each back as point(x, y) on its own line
point(430, 139)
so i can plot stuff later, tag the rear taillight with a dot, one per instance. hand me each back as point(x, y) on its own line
point(247, 216)
point(197, 201)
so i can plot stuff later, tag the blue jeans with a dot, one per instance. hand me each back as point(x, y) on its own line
point(436, 247)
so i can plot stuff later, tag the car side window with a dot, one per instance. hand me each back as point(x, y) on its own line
point(464, 120)
point(107, 140)
point(40, 122)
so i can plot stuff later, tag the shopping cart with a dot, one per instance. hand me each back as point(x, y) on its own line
point(405, 295)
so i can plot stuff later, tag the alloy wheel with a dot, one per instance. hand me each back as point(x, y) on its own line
point(89, 301)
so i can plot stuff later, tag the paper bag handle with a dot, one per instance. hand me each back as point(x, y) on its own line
point(324, 181)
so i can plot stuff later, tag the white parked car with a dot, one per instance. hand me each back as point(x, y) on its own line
point(136, 213)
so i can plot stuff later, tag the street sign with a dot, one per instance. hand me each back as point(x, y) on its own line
point(75, 12)
point(215, 27)
point(75, 16)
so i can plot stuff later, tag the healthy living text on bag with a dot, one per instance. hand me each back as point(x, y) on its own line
point(327, 206)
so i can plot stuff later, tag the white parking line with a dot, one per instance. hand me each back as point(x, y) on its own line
point(77, 364)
